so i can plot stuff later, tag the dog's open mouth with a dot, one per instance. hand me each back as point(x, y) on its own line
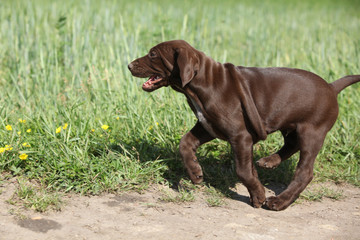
point(154, 83)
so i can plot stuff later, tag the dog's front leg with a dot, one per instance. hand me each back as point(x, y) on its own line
point(188, 145)
point(242, 146)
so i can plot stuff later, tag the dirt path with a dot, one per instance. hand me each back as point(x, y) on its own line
point(144, 216)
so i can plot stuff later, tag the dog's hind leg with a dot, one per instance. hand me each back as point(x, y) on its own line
point(291, 146)
point(310, 142)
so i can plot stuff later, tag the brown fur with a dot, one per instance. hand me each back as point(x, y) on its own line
point(242, 105)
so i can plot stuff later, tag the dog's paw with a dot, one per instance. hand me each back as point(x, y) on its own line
point(196, 175)
point(258, 198)
point(196, 179)
point(194, 170)
point(276, 203)
point(269, 162)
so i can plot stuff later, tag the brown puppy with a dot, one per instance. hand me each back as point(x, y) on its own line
point(242, 106)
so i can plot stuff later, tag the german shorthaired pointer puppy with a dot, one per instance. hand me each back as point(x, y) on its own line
point(242, 105)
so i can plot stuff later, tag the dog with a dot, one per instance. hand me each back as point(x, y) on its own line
point(242, 105)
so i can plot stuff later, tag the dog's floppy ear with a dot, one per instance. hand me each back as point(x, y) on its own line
point(188, 62)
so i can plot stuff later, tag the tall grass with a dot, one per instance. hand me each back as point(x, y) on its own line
point(65, 62)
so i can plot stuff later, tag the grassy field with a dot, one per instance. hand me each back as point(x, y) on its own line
point(72, 118)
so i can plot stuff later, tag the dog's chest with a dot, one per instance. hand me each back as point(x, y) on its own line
point(200, 116)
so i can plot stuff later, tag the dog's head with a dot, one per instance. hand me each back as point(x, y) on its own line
point(168, 63)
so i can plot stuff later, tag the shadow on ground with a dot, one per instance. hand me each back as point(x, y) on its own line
point(219, 171)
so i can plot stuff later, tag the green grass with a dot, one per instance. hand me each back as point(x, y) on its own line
point(35, 197)
point(320, 193)
point(65, 62)
point(183, 194)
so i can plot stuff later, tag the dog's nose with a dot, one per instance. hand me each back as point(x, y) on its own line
point(130, 66)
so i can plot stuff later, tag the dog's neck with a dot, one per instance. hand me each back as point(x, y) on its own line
point(197, 88)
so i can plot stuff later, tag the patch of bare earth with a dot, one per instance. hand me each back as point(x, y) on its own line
point(145, 216)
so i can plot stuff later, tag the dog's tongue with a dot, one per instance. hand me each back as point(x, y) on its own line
point(150, 82)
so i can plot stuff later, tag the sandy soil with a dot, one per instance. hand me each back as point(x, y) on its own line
point(144, 216)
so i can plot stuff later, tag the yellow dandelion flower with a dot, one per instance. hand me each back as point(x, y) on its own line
point(19, 132)
point(58, 130)
point(26, 144)
point(8, 148)
point(157, 124)
point(8, 127)
point(93, 130)
point(23, 156)
point(2, 150)
point(117, 118)
point(151, 128)
point(65, 126)
point(28, 131)
point(105, 127)
point(22, 120)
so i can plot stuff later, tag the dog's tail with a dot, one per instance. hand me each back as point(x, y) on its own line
point(344, 82)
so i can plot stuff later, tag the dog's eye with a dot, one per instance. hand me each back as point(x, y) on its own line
point(152, 54)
